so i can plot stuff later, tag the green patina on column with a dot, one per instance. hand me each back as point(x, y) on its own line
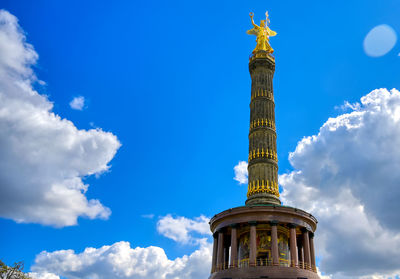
point(263, 160)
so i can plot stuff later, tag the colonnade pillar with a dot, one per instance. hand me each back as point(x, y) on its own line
point(253, 244)
point(306, 245)
point(293, 246)
point(300, 253)
point(234, 248)
point(220, 253)
point(312, 252)
point(274, 243)
point(226, 257)
point(214, 255)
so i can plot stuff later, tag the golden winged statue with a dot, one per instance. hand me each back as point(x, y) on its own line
point(263, 32)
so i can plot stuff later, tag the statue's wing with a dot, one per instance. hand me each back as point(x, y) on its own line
point(271, 33)
point(252, 31)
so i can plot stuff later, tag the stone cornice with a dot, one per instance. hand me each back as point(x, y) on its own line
point(264, 214)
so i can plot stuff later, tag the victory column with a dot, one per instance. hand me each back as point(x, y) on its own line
point(263, 239)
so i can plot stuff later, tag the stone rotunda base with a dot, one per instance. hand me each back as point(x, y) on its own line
point(264, 272)
point(263, 241)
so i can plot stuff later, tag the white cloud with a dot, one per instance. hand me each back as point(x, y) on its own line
point(43, 157)
point(183, 230)
point(323, 276)
point(241, 172)
point(43, 275)
point(347, 105)
point(121, 261)
point(77, 103)
point(348, 177)
point(379, 40)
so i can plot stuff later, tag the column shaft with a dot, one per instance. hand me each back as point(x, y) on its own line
point(226, 258)
point(274, 244)
point(262, 186)
point(306, 245)
point(234, 248)
point(312, 252)
point(293, 247)
point(253, 245)
point(220, 253)
point(300, 253)
point(214, 255)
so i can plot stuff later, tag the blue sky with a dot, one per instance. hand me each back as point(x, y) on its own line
point(170, 80)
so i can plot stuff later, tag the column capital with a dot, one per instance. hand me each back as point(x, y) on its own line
point(292, 225)
point(234, 225)
point(303, 230)
point(274, 223)
point(311, 234)
point(252, 223)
